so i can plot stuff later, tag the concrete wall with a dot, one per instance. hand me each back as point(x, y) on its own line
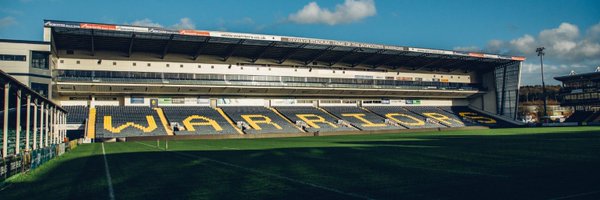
point(22, 70)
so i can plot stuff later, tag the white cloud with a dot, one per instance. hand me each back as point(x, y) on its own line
point(146, 22)
point(7, 21)
point(523, 44)
point(184, 23)
point(349, 11)
point(566, 49)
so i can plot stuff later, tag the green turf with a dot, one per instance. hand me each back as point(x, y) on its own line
point(528, 163)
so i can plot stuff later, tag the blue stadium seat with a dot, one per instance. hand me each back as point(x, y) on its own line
point(197, 120)
point(77, 114)
point(434, 113)
point(471, 117)
point(360, 118)
point(314, 119)
point(127, 121)
point(404, 117)
point(259, 119)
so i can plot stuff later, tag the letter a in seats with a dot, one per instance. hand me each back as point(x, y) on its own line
point(149, 118)
point(361, 117)
point(254, 122)
point(189, 125)
point(312, 120)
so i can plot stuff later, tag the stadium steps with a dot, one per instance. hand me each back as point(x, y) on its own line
point(367, 110)
point(164, 121)
point(240, 131)
point(285, 118)
point(336, 117)
point(91, 126)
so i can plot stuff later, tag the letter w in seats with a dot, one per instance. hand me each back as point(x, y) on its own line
point(146, 129)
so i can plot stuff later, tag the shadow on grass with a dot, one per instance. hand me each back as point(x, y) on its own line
point(539, 166)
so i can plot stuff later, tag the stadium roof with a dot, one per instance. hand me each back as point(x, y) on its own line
point(66, 35)
point(586, 76)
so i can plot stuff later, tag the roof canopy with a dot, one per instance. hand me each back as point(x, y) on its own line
point(128, 39)
point(574, 77)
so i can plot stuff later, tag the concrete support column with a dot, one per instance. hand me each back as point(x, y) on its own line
point(64, 117)
point(5, 121)
point(42, 111)
point(46, 124)
point(51, 126)
point(18, 124)
point(27, 122)
point(35, 124)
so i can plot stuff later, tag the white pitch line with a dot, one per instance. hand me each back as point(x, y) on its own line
point(111, 193)
point(266, 174)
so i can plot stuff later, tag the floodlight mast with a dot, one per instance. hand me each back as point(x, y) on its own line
point(540, 51)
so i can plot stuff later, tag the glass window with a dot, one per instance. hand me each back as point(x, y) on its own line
point(40, 88)
point(40, 59)
point(7, 57)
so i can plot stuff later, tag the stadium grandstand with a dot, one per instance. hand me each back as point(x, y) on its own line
point(122, 81)
point(581, 91)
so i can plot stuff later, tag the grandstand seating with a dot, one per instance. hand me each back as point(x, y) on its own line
point(197, 120)
point(579, 116)
point(594, 117)
point(471, 117)
point(259, 119)
point(404, 117)
point(433, 113)
point(360, 118)
point(127, 121)
point(12, 142)
point(315, 119)
point(77, 114)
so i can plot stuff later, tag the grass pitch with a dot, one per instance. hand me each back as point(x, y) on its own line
point(526, 163)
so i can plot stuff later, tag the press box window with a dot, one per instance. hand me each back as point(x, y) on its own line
point(40, 59)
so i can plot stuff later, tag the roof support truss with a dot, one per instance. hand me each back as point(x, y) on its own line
point(200, 48)
point(130, 45)
point(316, 56)
point(290, 53)
point(166, 48)
point(410, 60)
point(231, 50)
point(453, 66)
point(93, 49)
point(465, 67)
point(262, 52)
point(344, 56)
point(389, 60)
point(362, 61)
point(442, 59)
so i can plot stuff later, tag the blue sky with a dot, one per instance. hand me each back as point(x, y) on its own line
point(570, 29)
